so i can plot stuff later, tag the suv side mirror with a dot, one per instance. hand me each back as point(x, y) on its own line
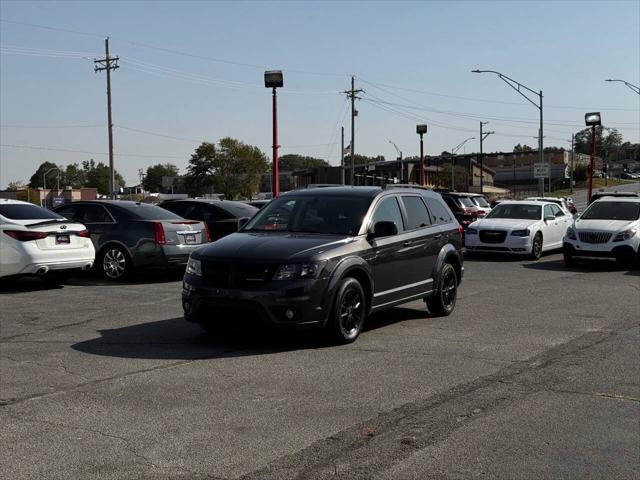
point(549, 218)
point(383, 229)
point(242, 222)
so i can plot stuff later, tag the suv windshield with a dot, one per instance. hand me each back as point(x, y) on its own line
point(328, 214)
point(612, 211)
point(516, 211)
point(20, 211)
point(480, 201)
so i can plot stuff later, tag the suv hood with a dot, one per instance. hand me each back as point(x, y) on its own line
point(604, 225)
point(503, 223)
point(271, 246)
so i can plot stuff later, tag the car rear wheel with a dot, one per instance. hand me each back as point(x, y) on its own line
point(349, 311)
point(536, 247)
point(115, 263)
point(443, 301)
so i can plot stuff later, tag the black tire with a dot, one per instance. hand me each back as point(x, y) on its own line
point(443, 300)
point(536, 247)
point(569, 261)
point(349, 311)
point(114, 263)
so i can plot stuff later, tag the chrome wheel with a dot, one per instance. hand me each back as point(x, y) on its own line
point(114, 263)
point(536, 248)
point(351, 312)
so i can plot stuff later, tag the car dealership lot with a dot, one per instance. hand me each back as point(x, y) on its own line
point(535, 374)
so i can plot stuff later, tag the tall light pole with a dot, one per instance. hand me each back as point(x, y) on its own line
point(44, 182)
point(453, 151)
point(421, 130)
point(592, 120)
point(518, 87)
point(273, 79)
point(633, 87)
point(483, 136)
point(399, 158)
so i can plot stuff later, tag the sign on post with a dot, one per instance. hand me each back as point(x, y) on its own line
point(540, 170)
point(57, 201)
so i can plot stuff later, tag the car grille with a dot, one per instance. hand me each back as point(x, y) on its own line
point(236, 275)
point(492, 236)
point(594, 237)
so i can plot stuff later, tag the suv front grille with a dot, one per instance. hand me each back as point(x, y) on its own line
point(236, 275)
point(594, 237)
point(492, 236)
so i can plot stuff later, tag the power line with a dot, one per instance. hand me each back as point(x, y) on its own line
point(68, 150)
point(51, 126)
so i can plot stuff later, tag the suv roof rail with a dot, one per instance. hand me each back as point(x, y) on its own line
point(324, 185)
point(387, 186)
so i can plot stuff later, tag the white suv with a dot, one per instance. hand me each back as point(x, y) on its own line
point(609, 227)
point(35, 241)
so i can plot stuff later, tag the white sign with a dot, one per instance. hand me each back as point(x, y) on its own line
point(540, 170)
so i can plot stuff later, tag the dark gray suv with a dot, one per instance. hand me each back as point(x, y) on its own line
point(328, 257)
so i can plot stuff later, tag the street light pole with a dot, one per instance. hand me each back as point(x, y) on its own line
point(453, 151)
point(421, 130)
point(518, 87)
point(273, 79)
point(592, 120)
point(633, 87)
point(483, 136)
point(399, 159)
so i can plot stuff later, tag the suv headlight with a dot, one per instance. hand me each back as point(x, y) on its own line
point(293, 271)
point(194, 267)
point(626, 235)
point(571, 234)
point(521, 233)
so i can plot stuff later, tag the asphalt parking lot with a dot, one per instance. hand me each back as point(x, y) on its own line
point(535, 375)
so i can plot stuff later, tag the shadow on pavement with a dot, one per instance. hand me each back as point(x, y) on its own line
point(26, 285)
point(176, 339)
point(581, 266)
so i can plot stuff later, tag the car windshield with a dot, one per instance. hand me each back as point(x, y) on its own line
point(480, 201)
point(151, 212)
point(516, 211)
point(327, 214)
point(611, 210)
point(21, 211)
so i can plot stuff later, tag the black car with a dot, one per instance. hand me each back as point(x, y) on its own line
point(462, 207)
point(221, 216)
point(129, 235)
point(328, 257)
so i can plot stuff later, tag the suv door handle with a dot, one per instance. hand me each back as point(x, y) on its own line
point(438, 236)
point(407, 243)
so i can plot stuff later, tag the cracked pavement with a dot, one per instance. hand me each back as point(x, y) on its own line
point(535, 375)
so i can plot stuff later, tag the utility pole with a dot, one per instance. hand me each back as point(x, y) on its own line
point(482, 138)
point(572, 162)
point(352, 95)
point(141, 177)
point(342, 153)
point(108, 63)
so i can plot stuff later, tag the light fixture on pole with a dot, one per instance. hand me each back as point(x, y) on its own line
point(454, 150)
point(633, 87)
point(273, 79)
point(592, 120)
point(399, 158)
point(421, 130)
point(518, 87)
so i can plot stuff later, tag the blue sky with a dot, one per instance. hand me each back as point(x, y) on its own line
point(416, 54)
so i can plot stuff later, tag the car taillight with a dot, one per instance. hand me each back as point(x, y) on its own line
point(26, 235)
point(460, 232)
point(160, 238)
point(468, 211)
point(207, 233)
point(481, 213)
point(83, 233)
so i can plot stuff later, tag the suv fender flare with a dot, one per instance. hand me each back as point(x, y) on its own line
point(343, 267)
point(445, 251)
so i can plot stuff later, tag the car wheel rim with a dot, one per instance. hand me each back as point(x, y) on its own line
point(351, 310)
point(537, 247)
point(448, 288)
point(114, 263)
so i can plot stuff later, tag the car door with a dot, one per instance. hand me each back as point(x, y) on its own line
point(389, 277)
point(421, 245)
point(551, 230)
point(563, 221)
point(98, 221)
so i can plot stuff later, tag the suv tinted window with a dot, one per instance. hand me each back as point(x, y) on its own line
point(388, 210)
point(20, 211)
point(439, 214)
point(466, 201)
point(417, 214)
point(451, 203)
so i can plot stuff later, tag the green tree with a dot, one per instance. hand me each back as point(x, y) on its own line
point(153, 179)
point(74, 176)
point(292, 162)
point(608, 142)
point(553, 149)
point(97, 176)
point(15, 186)
point(37, 180)
point(522, 148)
point(580, 173)
point(363, 159)
point(233, 169)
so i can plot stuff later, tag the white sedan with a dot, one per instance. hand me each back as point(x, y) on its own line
point(35, 241)
point(520, 227)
